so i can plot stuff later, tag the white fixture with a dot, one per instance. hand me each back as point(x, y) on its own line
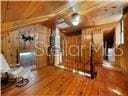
point(75, 19)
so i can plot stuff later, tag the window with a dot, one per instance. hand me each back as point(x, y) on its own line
point(121, 31)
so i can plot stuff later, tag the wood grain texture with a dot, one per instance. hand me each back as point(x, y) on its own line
point(79, 45)
point(97, 35)
point(11, 41)
point(22, 13)
point(71, 51)
point(122, 60)
point(51, 81)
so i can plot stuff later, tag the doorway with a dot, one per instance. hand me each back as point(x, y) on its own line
point(109, 50)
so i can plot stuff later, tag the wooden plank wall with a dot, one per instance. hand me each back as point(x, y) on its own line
point(126, 41)
point(86, 48)
point(11, 41)
point(71, 54)
point(97, 43)
point(82, 59)
point(122, 60)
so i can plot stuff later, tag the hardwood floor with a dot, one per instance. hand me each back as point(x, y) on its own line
point(52, 81)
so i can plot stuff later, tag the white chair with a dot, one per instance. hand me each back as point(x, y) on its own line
point(16, 72)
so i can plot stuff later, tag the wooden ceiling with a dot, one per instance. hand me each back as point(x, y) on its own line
point(16, 14)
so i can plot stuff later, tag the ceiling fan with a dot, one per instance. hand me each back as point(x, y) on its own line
point(75, 16)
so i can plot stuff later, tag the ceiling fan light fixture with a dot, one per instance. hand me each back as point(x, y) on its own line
point(75, 19)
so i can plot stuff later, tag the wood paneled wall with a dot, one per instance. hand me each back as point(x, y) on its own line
point(77, 49)
point(11, 41)
point(122, 61)
point(71, 53)
point(97, 35)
